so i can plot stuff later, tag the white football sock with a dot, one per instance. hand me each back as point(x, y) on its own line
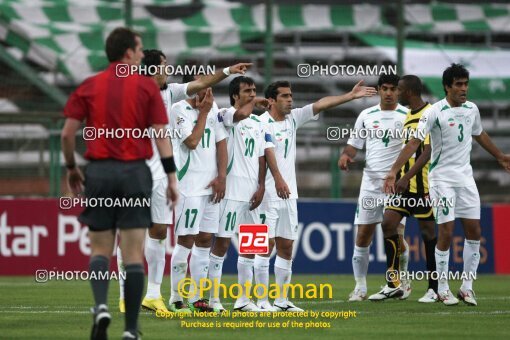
point(283, 275)
point(178, 270)
point(471, 258)
point(404, 258)
point(360, 259)
point(198, 268)
point(244, 276)
point(442, 259)
point(155, 256)
point(120, 268)
point(215, 270)
point(261, 269)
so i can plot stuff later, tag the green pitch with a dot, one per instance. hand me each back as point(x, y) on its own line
point(59, 310)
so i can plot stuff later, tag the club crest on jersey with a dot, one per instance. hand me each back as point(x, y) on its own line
point(468, 120)
point(451, 122)
point(376, 124)
point(211, 121)
point(399, 125)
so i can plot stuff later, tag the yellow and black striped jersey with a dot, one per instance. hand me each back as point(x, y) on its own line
point(419, 184)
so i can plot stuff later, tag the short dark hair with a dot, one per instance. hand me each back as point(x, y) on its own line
point(452, 72)
point(413, 84)
point(235, 86)
point(388, 79)
point(152, 58)
point(118, 42)
point(189, 76)
point(272, 89)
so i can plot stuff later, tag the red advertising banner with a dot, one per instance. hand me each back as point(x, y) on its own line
point(501, 220)
point(38, 234)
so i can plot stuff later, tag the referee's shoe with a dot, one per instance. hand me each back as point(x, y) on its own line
point(101, 320)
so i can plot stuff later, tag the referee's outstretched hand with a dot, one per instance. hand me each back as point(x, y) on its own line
point(75, 180)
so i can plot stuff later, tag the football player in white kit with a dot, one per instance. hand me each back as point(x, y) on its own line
point(281, 214)
point(248, 147)
point(201, 161)
point(452, 123)
point(381, 151)
point(161, 214)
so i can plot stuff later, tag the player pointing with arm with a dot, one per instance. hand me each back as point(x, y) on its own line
point(451, 123)
point(281, 214)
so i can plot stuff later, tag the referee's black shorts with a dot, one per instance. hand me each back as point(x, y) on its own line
point(413, 204)
point(120, 181)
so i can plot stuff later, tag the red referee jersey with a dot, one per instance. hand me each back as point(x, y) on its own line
point(108, 102)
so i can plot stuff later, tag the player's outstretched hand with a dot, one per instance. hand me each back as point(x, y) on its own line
point(360, 91)
point(389, 183)
point(172, 194)
point(239, 68)
point(282, 189)
point(257, 197)
point(218, 186)
point(261, 103)
point(344, 161)
point(75, 180)
point(401, 185)
point(505, 162)
point(205, 105)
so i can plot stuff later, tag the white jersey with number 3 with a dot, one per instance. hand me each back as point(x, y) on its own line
point(195, 168)
point(247, 141)
point(283, 135)
point(383, 146)
point(450, 131)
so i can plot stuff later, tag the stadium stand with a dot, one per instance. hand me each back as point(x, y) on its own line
point(60, 42)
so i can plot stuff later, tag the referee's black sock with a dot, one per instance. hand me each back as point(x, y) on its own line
point(392, 247)
point(99, 266)
point(133, 291)
point(430, 246)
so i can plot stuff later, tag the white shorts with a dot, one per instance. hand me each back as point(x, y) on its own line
point(194, 214)
point(233, 213)
point(160, 211)
point(368, 210)
point(458, 202)
point(281, 217)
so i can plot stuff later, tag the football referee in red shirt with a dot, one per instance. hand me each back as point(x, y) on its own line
point(117, 169)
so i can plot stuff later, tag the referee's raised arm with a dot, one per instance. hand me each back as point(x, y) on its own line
point(118, 106)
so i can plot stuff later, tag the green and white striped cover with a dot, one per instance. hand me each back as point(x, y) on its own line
point(68, 36)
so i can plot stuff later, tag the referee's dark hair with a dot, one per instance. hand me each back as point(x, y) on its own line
point(272, 89)
point(388, 79)
point(413, 84)
point(152, 57)
point(452, 72)
point(118, 42)
point(235, 86)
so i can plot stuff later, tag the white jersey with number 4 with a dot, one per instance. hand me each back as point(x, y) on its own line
point(195, 168)
point(450, 131)
point(283, 135)
point(247, 141)
point(172, 94)
point(383, 141)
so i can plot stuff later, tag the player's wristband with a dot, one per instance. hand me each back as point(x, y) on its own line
point(226, 71)
point(168, 164)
